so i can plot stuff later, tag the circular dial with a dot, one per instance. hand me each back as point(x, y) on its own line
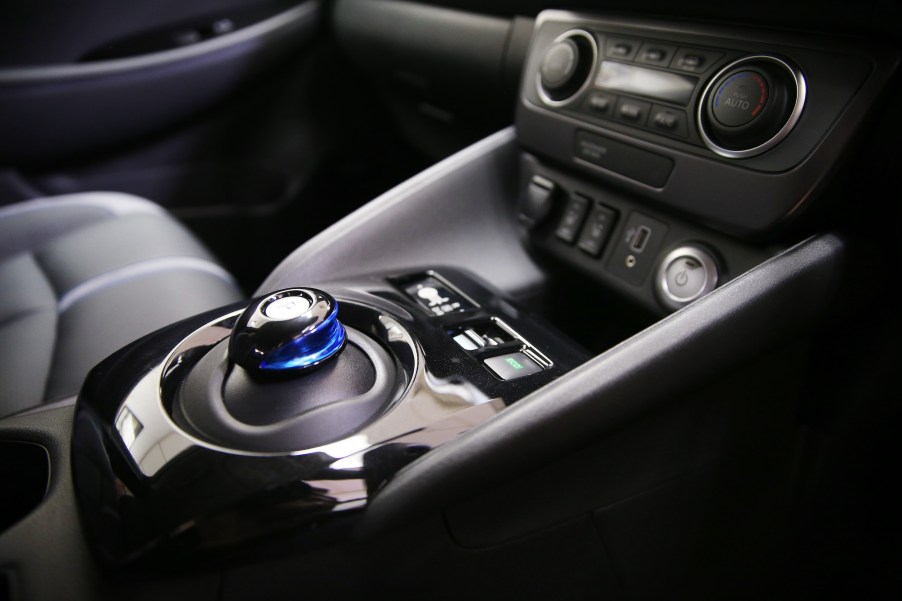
point(566, 67)
point(750, 106)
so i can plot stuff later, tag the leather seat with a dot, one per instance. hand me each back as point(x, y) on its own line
point(84, 274)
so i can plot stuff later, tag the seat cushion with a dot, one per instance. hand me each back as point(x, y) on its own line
point(84, 274)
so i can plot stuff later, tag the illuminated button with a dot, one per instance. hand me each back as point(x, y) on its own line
point(512, 365)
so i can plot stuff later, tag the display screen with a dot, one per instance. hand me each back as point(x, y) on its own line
point(651, 83)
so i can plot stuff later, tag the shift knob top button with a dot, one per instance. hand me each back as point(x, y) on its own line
point(286, 307)
point(290, 330)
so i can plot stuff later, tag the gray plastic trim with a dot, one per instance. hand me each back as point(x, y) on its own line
point(459, 213)
point(276, 26)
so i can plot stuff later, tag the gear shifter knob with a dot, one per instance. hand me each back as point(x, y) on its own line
point(291, 330)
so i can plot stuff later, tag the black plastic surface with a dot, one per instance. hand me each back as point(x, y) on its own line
point(25, 472)
point(645, 372)
point(634, 163)
point(221, 403)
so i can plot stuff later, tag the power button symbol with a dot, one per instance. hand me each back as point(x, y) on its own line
point(684, 275)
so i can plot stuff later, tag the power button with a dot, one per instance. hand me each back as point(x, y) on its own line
point(686, 274)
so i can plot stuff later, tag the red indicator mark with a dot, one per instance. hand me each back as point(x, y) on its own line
point(763, 98)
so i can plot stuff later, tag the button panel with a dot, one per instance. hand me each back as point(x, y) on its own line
point(672, 121)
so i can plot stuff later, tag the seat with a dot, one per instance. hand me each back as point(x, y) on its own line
point(82, 275)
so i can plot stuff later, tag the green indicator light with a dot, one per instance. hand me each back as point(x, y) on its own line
point(513, 363)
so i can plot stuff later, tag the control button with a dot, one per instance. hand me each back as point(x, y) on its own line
point(685, 278)
point(637, 248)
point(633, 111)
point(693, 60)
point(286, 307)
point(559, 64)
point(537, 201)
point(466, 342)
point(668, 120)
point(622, 48)
point(750, 106)
point(437, 297)
point(574, 214)
point(740, 98)
point(652, 53)
point(686, 274)
point(512, 365)
point(597, 230)
point(600, 103)
point(566, 67)
point(222, 26)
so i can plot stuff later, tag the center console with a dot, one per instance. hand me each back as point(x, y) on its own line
point(504, 346)
point(231, 426)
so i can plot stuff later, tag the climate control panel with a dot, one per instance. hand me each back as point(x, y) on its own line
point(737, 128)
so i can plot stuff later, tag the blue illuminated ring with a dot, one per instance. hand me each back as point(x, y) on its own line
point(313, 346)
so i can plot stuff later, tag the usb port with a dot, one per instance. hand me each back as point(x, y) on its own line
point(640, 238)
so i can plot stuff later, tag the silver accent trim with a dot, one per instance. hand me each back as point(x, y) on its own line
point(711, 275)
point(137, 270)
point(794, 116)
point(566, 35)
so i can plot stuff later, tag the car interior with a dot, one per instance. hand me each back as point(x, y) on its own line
point(445, 299)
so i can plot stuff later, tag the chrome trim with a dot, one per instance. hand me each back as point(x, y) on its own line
point(794, 116)
point(566, 35)
point(711, 275)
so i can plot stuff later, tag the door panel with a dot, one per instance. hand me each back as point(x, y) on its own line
point(51, 112)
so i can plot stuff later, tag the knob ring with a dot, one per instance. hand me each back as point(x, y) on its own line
point(801, 92)
point(591, 71)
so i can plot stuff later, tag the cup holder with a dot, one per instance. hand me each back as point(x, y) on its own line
point(24, 476)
